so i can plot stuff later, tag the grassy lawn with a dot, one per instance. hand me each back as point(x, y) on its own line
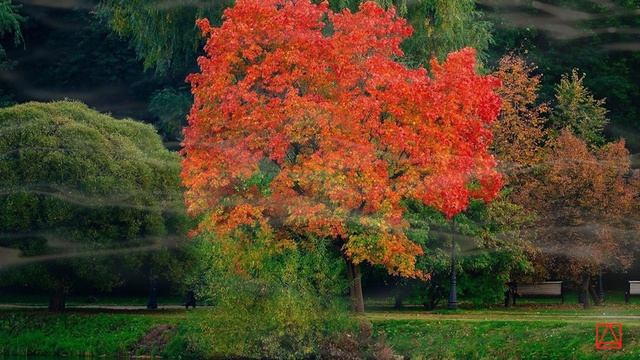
point(528, 331)
point(534, 329)
point(76, 334)
point(502, 339)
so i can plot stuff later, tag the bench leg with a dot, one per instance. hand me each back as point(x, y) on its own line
point(626, 297)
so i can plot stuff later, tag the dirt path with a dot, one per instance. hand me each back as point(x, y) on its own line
point(379, 315)
point(154, 341)
point(516, 316)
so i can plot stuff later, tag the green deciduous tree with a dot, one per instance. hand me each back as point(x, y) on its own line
point(578, 110)
point(443, 26)
point(10, 22)
point(170, 106)
point(78, 189)
point(162, 32)
point(164, 35)
point(282, 302)
point(490, 244)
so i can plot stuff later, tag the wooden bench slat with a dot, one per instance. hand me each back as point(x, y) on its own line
point(547, 288)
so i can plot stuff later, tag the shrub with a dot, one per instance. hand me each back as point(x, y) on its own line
point(271, 301)
point(78, 182)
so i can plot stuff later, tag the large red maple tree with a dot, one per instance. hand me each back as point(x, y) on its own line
point(306, 122)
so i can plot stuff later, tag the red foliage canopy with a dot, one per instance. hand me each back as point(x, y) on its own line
point(321, 97)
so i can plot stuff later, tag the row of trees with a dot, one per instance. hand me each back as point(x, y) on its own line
point(163, 36)
point(546, 150)
point(318, 141)
point(580, 189)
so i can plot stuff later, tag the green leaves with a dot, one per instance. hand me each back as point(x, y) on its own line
point(78, 181)
point(10, 21)
point(579, 111)
point(162, 33)
point(171, 107)
point(272, 302)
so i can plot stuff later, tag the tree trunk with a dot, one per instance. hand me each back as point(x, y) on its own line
point(600, 289)
point(434, 295)
point(152, 303)
point(432, 302)
point(352, 292)
point(355, 286)
point(508, 298)
point(453, 289)
point(509, 295)
point(399, 293)
point(586, 282)
point(57, 301)
point(398, 301)
point(596, 298)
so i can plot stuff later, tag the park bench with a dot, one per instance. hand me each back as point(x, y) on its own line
point(633, 289)
point(543, 289)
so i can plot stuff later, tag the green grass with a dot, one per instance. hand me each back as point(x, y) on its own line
point(491, 339)
point(90, 333)
point(37, 333)
point(530, 331)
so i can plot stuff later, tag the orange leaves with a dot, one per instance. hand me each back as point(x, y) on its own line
point(224, 220)
point(371, 30)
point(520, 130)
point(349, 130)
point(394, 251)
point(584, 198)
point(243, 214)
point(204, 25)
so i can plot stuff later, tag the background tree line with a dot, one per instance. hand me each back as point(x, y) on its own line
point(131, 58)
point(154, 45)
